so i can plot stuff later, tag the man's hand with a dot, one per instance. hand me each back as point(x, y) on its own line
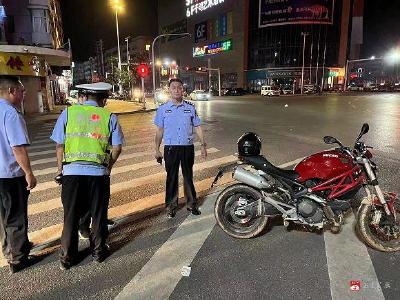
point(31, 180)
point(158, 154)
point(204, 151)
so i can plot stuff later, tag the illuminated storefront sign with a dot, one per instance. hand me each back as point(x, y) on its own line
point(22, 64)
point(194, 7)
point(213, 48)
point(283, 12)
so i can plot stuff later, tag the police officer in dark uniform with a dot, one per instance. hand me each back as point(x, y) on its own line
point(175, 121)
point(84, 134)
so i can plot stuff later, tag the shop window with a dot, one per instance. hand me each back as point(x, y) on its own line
point(10, 24)
point(40, 20)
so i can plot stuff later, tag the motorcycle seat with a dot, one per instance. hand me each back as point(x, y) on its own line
point(261, 163)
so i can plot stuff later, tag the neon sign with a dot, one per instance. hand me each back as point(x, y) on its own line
point(213, 48)
point(196, 6)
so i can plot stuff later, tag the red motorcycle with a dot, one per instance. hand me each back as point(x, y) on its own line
point(316, 194)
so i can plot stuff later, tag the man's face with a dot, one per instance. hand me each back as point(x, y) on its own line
point(17, 94)
point(176, 90)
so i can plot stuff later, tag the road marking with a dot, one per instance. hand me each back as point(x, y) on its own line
point(53, 232)
point(123, 156)
point(348, 260)
point(45, 206)
point(124, 148)
point(116, 170)
point(159, 277)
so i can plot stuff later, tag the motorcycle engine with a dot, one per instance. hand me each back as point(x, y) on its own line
point(310, 211)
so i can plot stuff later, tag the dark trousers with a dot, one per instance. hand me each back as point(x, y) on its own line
point(79, 195)
point(84, 221)
point(175, 156)
point(14, 219)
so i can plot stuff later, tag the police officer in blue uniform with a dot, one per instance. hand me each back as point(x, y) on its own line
point(16, 176)
point(86, 184)
point(175, 121)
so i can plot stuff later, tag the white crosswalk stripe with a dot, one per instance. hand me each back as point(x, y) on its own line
point(138, 155)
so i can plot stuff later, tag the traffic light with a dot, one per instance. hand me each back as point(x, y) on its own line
point(143, 70)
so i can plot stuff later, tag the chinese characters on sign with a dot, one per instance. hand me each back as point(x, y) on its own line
point(213, 48)
point(22, 64)
point(196, 6)
point(282, 12)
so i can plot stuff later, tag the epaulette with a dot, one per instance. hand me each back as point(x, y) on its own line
point(188, 102)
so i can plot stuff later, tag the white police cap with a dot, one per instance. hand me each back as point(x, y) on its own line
point(98, 87)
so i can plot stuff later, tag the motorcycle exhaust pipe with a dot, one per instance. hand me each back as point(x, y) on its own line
point(251, 179)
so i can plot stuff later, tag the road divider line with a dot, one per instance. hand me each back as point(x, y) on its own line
point(356, 267)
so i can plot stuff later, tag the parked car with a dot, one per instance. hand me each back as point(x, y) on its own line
point(235, 92)
point(268, 90)
point(371, 88)
point(354, 87)
point(72, 98)
point(311, 89)
point(287, 89)
point(198, 95)
point(161, 95)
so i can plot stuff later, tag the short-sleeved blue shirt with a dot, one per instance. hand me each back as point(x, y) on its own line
point(12, 133)
point(178, 121)
point(84, 168)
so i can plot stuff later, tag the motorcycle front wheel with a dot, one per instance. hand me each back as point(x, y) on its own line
point(383, 235)
point(236, 221)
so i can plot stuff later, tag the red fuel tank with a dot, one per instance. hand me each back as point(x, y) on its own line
point(324, 165)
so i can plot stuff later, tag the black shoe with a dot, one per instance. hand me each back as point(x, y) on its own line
point(84, 234)
point(171, 214)
point(64, 266)
point(23, 264)
point(99, 258)
point(14, 268)
point(194, 211)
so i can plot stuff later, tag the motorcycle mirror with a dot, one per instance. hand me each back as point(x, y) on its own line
point(330, 140)
point(364, 130)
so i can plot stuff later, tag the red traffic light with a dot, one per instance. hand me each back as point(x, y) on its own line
point(143, 70)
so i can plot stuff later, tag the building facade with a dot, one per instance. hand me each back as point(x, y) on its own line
point(261, 42)
point(30, 38)
point(219, 31)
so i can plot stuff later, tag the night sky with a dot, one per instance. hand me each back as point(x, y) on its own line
point(86, 21)
point(381, 27)
point(89, 20)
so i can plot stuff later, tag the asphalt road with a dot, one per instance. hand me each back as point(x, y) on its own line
point(148, 254)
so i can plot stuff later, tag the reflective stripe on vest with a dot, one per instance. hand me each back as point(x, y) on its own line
point(87, 134)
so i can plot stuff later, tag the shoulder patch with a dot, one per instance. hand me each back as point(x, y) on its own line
point(188, 102)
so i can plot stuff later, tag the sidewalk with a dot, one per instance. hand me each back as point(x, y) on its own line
point(118, 107)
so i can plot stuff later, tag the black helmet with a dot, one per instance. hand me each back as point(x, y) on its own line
point(249, 144)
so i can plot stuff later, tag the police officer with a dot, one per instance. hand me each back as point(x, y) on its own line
point(16, 176)
point(84, 134)
point(175, 121)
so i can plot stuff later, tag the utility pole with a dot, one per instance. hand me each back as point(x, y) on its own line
point(304, 34)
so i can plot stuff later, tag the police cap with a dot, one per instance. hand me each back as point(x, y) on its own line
point(98, 88)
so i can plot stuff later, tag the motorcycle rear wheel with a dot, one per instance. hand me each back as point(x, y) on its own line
point(241, 227)
point(373, 237)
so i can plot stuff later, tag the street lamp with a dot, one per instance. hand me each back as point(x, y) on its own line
point(152, 55)
point(118, 6)
point(304, 34)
